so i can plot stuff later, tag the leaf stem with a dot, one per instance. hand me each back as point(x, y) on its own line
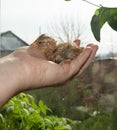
point(91, 3)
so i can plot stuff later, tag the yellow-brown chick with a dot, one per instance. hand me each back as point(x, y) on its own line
point(46, 44)
point(57, 52)
point(65, 51)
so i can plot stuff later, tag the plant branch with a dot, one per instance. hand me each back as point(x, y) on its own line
point(91, 3)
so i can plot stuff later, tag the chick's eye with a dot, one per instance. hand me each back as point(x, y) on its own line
point(40, 42)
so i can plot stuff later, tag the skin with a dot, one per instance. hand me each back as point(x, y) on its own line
point(27, 68)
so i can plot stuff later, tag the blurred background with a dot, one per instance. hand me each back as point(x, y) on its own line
point(22, 21)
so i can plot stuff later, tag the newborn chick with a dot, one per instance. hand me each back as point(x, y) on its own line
point(57, 53)
point(65, 51)
point(46, 44)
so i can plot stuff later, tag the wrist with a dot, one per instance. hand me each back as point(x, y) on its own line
point(11, 80)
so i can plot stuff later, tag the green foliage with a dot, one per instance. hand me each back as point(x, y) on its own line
point(101, 121)
point(101, 16)
point(22, 113)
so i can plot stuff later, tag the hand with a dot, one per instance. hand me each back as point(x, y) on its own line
point(39, 72)
point(27, 68)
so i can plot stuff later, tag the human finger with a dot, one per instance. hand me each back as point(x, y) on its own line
point(77, 42)
point(75, 65)
point(89, 60)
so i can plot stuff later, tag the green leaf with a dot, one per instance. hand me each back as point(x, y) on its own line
point(113, 23)
point(10, 109)
point(1, 118)
point(41, 103)
point(101, 16)
point(62, 128)
point(43, 107)
point(97, 12)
